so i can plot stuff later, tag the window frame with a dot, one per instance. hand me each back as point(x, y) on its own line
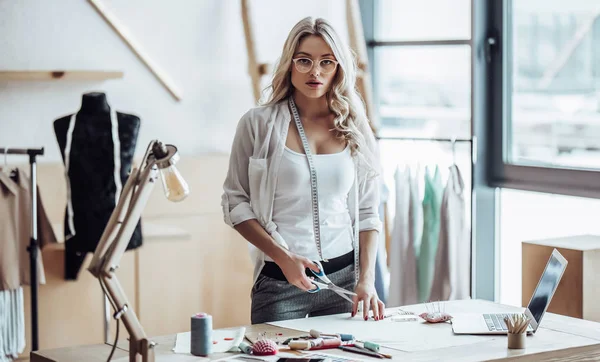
point(501, 173)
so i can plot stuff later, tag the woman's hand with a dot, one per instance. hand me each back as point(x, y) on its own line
point(365, 292)
point(294, 267)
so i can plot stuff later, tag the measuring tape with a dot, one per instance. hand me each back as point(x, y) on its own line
point(315, 195)
point(313, 179)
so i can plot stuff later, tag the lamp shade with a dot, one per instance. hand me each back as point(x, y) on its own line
point(174, 186)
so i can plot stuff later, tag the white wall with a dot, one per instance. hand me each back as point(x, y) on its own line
point(198, 43)
point(528, 216)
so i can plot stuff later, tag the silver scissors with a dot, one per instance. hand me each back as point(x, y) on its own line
point(328, 284)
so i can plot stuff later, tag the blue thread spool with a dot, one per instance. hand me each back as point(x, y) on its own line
point(201, 334)
point(346, 337)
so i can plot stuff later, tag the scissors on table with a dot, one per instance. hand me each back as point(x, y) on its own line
point(328, 284)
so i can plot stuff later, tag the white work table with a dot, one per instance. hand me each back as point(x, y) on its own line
point(558, 338)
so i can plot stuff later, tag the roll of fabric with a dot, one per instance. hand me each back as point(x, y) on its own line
point(201, 334)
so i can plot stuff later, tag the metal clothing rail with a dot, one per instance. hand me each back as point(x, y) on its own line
point(33, 241)
point(392, 138)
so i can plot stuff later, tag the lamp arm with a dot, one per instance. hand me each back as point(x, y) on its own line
point(114, 224)
point(111, 248)
point(134, 211)
point(116, 218)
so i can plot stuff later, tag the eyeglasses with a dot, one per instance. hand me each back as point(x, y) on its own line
point(304, 65)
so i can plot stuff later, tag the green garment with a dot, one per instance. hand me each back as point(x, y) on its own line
point(432, 201)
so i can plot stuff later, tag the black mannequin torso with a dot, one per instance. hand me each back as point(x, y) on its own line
point(91, 174)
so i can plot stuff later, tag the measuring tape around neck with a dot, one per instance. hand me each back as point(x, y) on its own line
point(313, 178)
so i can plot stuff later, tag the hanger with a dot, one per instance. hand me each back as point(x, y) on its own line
point(5, 153)
point(5, 167)
point(453, 150)
point(6, 178)
point(11, 173)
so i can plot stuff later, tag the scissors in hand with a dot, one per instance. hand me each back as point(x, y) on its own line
point(328, 284)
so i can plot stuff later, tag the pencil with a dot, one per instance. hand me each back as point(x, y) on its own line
point(365, 352)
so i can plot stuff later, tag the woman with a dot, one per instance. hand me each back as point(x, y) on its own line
point(268, 194)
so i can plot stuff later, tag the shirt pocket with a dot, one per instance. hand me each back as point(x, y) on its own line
point(257, 179)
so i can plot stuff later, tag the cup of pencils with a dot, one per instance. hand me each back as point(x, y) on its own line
point(517, 330)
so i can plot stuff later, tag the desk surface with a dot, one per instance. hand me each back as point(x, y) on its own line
point(558, 338)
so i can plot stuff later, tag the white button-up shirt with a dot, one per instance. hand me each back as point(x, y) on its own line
point(249, 188)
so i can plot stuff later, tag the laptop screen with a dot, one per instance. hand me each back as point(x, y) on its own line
point(545, 288)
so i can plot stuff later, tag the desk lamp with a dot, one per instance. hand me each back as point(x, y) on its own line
point(159, 158)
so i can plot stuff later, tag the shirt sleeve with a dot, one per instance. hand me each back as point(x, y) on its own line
point(235, 199)
point(369, 190)
point(368, 209)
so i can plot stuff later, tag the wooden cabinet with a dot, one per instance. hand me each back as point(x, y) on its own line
point(579, 290)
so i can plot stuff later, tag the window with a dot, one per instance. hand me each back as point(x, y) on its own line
point(424, 91)
point(423, 20)
point(547, 92)
point(421, 56)
point(425, 74)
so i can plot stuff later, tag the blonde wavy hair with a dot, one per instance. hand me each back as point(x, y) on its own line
point(344, 101)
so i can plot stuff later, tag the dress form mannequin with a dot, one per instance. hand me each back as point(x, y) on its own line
point(92, 143)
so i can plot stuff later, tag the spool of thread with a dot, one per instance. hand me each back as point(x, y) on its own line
point(346, 337)
point(245, 348)
point(302, 345)
point(372, 346)
point(201, 335)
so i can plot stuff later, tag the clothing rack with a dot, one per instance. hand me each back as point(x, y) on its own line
point(453, 141)
point(33, 241)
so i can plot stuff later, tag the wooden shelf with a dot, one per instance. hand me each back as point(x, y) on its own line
point(45, 75)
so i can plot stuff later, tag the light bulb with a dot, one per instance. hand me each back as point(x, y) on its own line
point(174, 186)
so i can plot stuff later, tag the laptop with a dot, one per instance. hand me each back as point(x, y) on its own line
point(493, 323)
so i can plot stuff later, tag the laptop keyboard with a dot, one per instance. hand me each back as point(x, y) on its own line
point(495, 322)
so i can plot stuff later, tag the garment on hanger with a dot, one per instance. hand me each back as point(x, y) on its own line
point(15, 235)
point(403, 267)
point(431, 229)
point(451, 278)
point(416, 210)
point(15, 232)
point(12, 324)
point(381, 269)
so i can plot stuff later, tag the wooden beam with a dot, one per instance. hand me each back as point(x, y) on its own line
point(359, 45)
point(136, 48)
point(254, 68)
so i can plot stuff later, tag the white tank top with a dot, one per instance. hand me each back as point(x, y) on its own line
point(292, 208)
